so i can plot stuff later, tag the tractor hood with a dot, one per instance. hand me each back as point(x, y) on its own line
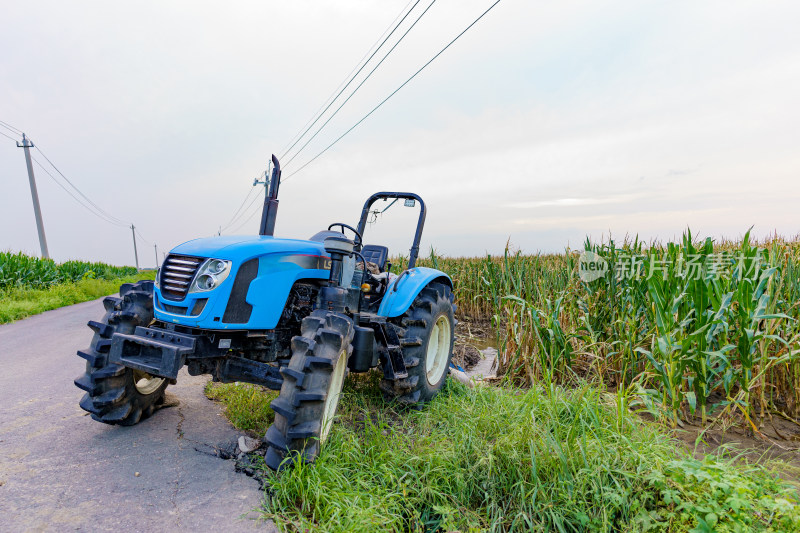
point(252, 296)
point(233, 247)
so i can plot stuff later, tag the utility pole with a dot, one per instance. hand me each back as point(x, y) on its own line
point(26, 145)
point(135, 253)
point(156, 248)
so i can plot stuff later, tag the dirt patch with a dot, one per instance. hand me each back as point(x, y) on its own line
point(465, 355)
point(472, 337)
point(250, 464)
point(777, 441)
point(474, 328)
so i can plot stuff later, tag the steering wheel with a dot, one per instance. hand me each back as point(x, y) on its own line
point(343, 225)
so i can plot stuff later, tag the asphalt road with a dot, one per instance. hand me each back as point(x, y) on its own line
point(60, 470)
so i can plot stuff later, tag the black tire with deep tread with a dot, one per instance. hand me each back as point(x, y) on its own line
point(295, 434)
point(111, 395)
point(414, 329)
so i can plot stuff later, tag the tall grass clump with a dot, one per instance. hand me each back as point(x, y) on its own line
point(688, 324)
point(493, 459)
point(246, 405)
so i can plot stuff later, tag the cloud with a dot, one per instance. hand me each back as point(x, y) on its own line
point(570, 202)
point(163, 114)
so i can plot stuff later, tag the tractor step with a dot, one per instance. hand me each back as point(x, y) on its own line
point(394, 366)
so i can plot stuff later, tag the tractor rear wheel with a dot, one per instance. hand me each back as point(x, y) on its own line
point(427, 333)
point(312, 383)
point(116, 394)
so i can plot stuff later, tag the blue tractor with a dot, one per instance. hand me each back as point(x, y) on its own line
point(292, 315)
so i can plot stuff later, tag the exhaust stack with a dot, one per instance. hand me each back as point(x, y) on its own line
point(270, 211)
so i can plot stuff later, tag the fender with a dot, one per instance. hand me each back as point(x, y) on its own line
point(409, 285)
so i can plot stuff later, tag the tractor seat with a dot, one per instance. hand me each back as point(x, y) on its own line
point(376, 254)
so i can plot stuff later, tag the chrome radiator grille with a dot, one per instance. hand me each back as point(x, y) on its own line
point(177, 274)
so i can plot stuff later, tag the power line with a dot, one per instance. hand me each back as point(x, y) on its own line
point(246, 220)
point(247, 197)
point(329, 101)
point(247, 209)
point(238, 217)
point(349, 78)
point(353, 77)
point(431, 60)
point(100, 213)
point(91, 207)
point(284, 150)
point(11, 128)
point(100, 209)
point(140, 236)
point(233, 218)
point(360, 84)
point(9, 136)
point(95, 213)
point(88, 208)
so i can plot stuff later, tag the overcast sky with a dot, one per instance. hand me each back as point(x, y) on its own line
point(545, 123)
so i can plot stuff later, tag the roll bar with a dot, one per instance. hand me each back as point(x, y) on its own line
point(362, 223)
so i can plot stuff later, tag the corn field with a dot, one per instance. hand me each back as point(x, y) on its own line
point(685, 327)
point(18, 270)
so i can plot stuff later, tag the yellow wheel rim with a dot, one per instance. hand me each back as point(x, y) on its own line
point(438, 350)
point(332, 398)
point(145, 383)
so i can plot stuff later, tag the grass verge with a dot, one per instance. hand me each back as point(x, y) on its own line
point(246, 406)
point(19, 303)
point(507, 460)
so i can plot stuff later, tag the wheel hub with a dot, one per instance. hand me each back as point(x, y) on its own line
point(146, 383)
point(332, 398)
point(438, 350)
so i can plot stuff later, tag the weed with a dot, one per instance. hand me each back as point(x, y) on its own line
point(246, 406)
point(492, 459)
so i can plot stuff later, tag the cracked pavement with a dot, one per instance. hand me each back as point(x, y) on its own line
point(60, 470)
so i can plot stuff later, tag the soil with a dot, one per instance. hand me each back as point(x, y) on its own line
point(777, 441)
point(472, 336)
point(474, 328)
point(465, 355)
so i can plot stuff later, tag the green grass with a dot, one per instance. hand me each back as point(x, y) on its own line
point(494, 459)
point(246, 406)
point(19, 302)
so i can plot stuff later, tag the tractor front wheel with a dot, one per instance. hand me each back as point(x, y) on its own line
point(116, 394)
point(312, 383)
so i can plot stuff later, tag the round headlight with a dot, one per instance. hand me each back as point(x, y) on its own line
point(216, 266)
point(206, 282)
